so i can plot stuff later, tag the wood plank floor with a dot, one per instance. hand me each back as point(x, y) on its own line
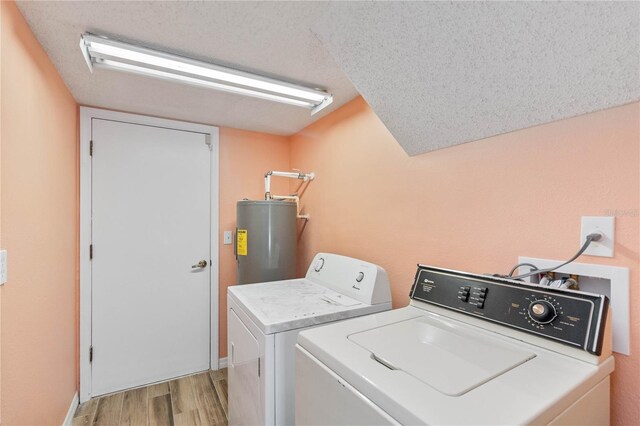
point(200, 399)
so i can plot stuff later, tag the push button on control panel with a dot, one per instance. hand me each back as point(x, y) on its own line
point(478, 296)
point(463, 293)
point(475, 296)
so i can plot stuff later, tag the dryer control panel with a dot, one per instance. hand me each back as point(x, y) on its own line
point(360, 280)
point(570, 317)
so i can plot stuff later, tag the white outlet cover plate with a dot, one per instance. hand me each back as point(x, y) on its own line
point(604, 225)
point(227, 237)
point(3, 266)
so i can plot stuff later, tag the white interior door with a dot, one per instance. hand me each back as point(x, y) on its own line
point(151, 221)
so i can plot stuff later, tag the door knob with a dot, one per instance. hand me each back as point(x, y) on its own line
point(200, 264)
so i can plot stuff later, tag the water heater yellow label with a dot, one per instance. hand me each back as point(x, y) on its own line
point(241, 242)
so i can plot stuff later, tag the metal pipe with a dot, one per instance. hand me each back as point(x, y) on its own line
point(291, 175)
point(297, 201)
point(304, 177)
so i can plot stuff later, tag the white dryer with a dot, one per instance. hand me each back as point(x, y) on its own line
point(470, 349)
point(264, 321)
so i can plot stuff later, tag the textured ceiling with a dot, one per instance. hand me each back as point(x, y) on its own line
point(436, 73)
point(440, 74)
point(269, 38)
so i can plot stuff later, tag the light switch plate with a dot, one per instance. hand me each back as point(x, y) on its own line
point(228, 237)
point(3, 266)
point(606, 226)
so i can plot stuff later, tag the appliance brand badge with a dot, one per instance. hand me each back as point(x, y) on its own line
point(427, 285)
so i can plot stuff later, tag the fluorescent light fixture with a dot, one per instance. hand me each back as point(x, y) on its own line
point(101, 52)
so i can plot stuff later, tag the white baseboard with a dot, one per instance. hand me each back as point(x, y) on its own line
point(222, 362)
point(68, 420)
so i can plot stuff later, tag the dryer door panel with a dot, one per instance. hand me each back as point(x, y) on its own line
point(245, 389)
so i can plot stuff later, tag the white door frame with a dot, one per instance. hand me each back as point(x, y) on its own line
point(86, 114)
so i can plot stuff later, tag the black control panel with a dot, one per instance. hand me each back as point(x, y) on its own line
point(573, 318)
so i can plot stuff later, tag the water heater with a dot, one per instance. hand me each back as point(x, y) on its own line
point(266, 240)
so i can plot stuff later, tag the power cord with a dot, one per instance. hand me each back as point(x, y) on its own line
point(595, 236)
point(533, 267)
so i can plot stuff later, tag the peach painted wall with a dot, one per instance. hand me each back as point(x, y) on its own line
point(39, 228)
point(244, 159)
point(476, 206)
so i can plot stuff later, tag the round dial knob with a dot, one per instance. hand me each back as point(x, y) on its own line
point(541, 311)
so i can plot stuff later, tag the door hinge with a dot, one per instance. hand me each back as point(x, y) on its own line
point(90, 353)
point(258, 367)
point(91, 148)
point(91, 252)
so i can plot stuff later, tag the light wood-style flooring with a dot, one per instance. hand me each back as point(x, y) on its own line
point(200, 399)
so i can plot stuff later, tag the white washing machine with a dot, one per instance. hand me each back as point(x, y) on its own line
point(264, 321)
point(469, 349)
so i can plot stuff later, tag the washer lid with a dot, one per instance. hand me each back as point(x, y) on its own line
point(452, 360)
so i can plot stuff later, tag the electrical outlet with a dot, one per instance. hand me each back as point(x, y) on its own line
point(3, 266)
point(228, 237)
point(606, 226)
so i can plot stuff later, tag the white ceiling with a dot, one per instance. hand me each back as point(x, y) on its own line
point(440, 74)
point(436, 73)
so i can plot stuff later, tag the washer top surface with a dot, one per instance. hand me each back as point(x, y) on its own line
point(424, 368)
point(290, 304)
